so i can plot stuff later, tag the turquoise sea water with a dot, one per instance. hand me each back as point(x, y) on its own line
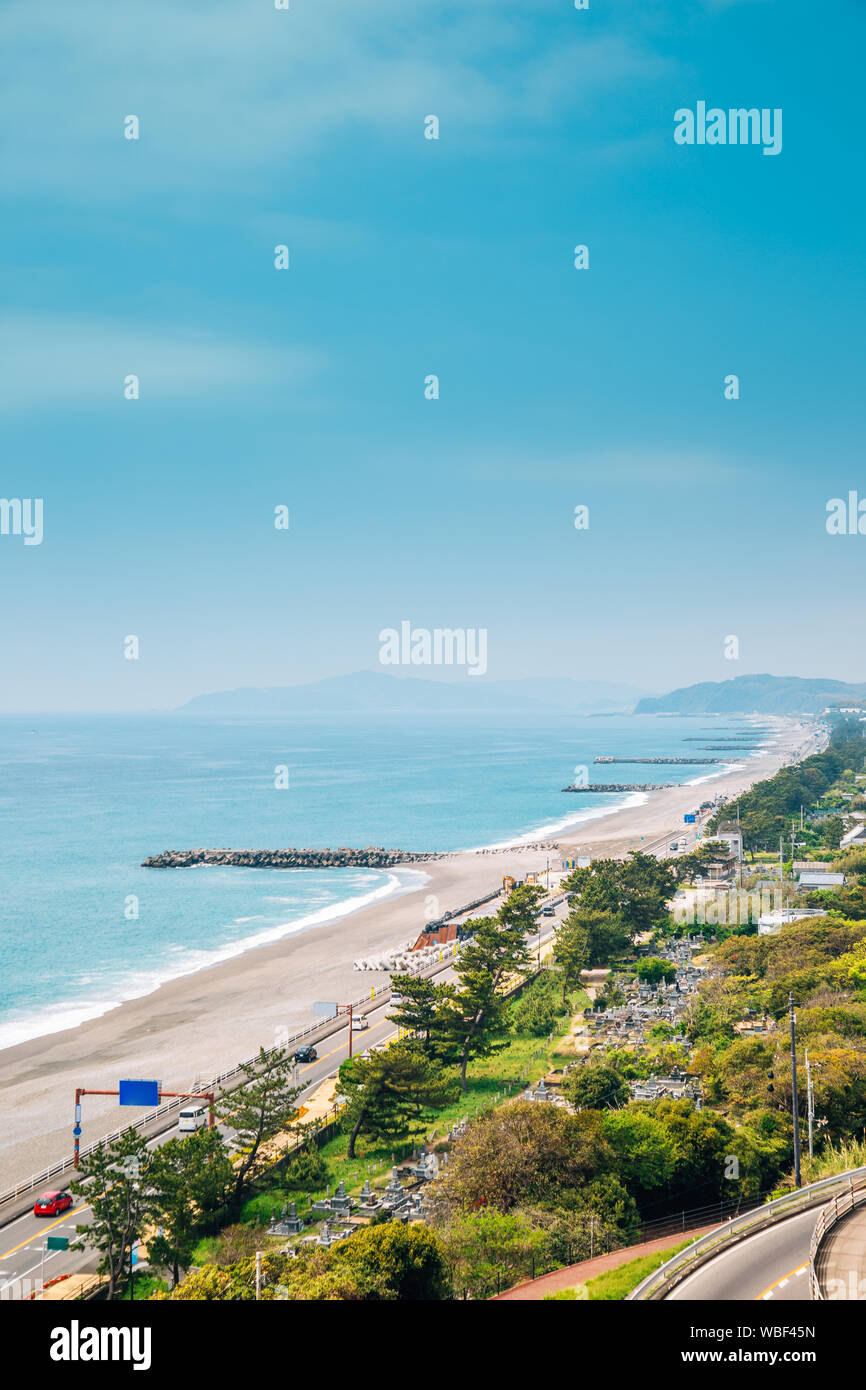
point(84, 799)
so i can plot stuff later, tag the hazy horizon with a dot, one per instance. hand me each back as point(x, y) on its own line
point(434, 676)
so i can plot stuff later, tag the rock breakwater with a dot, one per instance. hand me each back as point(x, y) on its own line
point(687, 762)
point(371, 857)
point(621, 787)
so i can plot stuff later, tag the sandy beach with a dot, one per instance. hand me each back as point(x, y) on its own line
point(196, 1026)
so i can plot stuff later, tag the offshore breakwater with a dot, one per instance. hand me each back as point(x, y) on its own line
point(685, 762)
point(621, 787)
point(371, 857)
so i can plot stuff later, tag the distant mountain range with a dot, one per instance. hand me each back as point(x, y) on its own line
point(375, 692)
point(755, 695)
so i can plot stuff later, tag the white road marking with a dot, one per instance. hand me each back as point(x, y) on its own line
point(734, 1250)
point(49, 1255)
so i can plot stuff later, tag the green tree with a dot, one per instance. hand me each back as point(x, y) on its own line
point(522, 1151)
point(496, 949)
point(384, 1262)
point(610, 995)
point(832, 831)
point(386, 1092)
point(259, 1109)
point(635, 889)
point(114, 1183)
point(647, 885)
point(645, 1155)
point(306, 1170)
point(489, 1251)
point(538, 1007)
point(595, 1088)
point(652, 970)
point(701, 1142)
point(580, 1222)
point(400, 1262)
point(418, 1010)
point(191, 1182)
point(571, 951)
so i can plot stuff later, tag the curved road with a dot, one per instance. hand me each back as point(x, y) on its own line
point(772, 1265)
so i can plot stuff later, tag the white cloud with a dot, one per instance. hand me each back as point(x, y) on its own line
point(237, 88)
point(54, 360)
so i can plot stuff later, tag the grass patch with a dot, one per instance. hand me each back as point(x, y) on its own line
point(144, 1285)
point(204, 1251)
point(492, 1080)
point(835, 1158)
point(614, 1284)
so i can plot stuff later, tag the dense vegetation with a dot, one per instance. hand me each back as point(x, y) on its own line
point(767, 810)
point(531, 1186)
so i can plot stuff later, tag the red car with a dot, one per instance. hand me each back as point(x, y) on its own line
point(52, 1204)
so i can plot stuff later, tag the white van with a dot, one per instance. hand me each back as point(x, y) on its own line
point(359, 1022)
point(192, 1117)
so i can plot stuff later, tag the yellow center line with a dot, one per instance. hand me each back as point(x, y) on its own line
point(70, 1213)
point(45, 1229)
point(789, 1275)
point(325, 1055)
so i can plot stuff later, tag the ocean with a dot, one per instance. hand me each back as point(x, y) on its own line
point(84, 799)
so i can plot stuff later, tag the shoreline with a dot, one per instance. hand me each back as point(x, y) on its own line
point(404, 879)
point(195, 1025)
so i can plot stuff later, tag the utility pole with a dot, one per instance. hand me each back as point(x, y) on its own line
point(347, 1009)
point(795, 1105)
point(810, 1100)
point(258, 1275)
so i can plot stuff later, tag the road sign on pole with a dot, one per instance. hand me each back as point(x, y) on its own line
point(139, 1093)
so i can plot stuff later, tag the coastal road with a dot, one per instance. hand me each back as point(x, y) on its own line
point(22, 1239)
point(772, 1266)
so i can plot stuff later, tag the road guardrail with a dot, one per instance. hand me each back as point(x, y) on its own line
point(324, 1028)
point(840, 1206)
point(663, 1280)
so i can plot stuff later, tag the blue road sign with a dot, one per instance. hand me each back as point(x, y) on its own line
point(689, 819)
point(138, 1093)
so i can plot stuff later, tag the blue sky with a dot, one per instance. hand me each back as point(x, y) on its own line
point(410, 257)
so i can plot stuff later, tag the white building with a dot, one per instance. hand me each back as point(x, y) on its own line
point(769, 923)
point(809, 882)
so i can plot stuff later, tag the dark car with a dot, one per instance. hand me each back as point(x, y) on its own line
point(52, 1204)
point(307, 1053)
